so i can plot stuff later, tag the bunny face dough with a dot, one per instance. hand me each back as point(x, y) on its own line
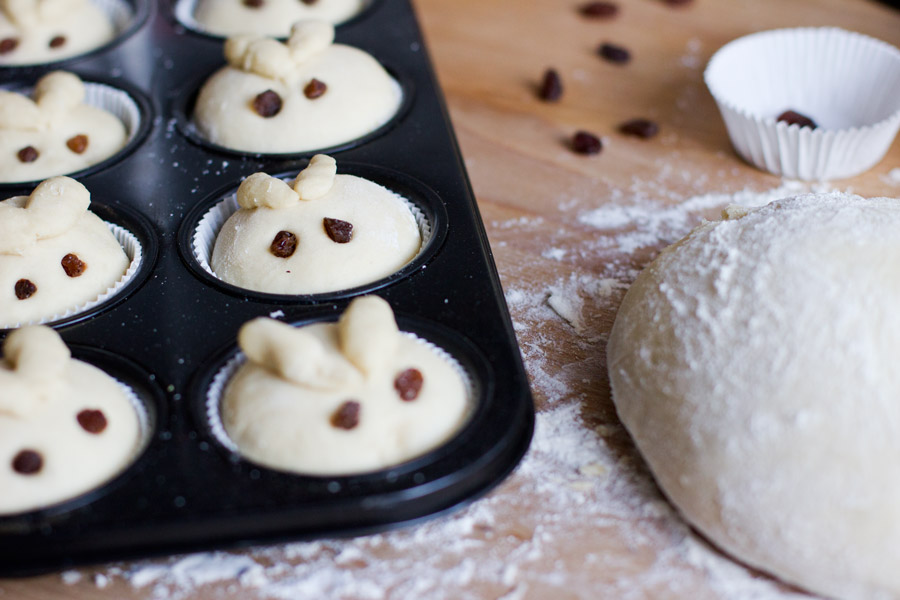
point(303, 95)
point(326, 233)
point(66, 427)
point(340, 398)
point(41, 31)
point(56, 132)
point(54, 253)
point(269, 17)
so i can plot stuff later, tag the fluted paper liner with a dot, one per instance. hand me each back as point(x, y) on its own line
point(846, 82)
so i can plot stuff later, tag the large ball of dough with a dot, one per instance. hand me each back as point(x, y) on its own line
point(756, 364)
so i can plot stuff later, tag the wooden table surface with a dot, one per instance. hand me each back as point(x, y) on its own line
point(581, 517)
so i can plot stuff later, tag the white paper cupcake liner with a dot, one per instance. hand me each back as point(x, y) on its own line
point(209, 226)
point(133, 251)
point(848, 83)
point(216, 390)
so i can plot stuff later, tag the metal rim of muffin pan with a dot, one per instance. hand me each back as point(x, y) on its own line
point(184, 493)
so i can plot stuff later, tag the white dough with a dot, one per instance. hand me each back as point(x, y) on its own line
point(34, 23)
point(360, 97)
point(42, 391)
point(45, 235)
point(284, 421)
point(385, 238)
point(272, 17)
point(56, 115)
point(755, 364)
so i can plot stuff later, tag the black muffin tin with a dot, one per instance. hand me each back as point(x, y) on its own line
point(173, 326)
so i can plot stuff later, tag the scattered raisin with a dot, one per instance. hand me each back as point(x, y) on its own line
point(600, 10)
point(72, 265)
point(284, 245)
point(347, 416)
point(58, 41)
point(677, 2)
point(642, 128)
point(77, 143)
point(25, 289)
point(339, 231)
point(314, 89)
point(7, 45)
point(253, 3)
point(794, 118)
point(92, 421)
point(27, 462)
point(551, 87)
point(267, 104)
point(613, 53)
point(586, 143)
point(408, 384)
point(28, 154)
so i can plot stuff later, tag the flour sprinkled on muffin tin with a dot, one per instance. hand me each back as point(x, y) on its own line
point(170, 330)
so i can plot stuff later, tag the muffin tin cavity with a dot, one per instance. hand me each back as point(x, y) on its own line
point(198, 232)
point(124, 101)
point(127, 17)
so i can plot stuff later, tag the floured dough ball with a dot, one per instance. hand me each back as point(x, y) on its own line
point(754, 363)
point(340, 398)
point(66, 427)
point(322, 233)
point(269, 17)
point(56, 132)
point(42, 31)
point(55, 254)
point(302, 95)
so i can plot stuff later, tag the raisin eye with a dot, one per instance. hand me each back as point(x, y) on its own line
point(314, 89)
point(27, 462)
point(347, 416)
point(284, 245)
point(25, 289)
point(267, 104)
point(339, 231)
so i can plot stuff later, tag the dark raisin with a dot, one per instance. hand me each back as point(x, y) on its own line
point(77, 143)
point(253, 3)
point(284, 245)
point(642, 128)
point(347, 416)
point(28, 154)
point(72, 265)
point(7, 45)
point(92, 421)
point(27, 462)
point(794, 118)
point(551, 87)
point(267, 104)
point(677, 2)
point(614, 54)
point(339, 231)
point(58, 41)
point(309, 2)
point(600, 10)
point(314, 89)
point(586, 143)
point(25, 289)
point(408, 384)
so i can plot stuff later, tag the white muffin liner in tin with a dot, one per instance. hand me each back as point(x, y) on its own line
point(216, 390)
point(848, 83)
point(210, 224)
point(185, 11)
point(133, 250)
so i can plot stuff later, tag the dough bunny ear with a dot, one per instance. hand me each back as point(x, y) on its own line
point(36, 353)
point(236, 48)
point(23, 13)
point(308, 38)
point(55, 9)
point(317, 178)
point(18, 111)
point(262, 190)
point(292, 354)
point(368, 333)
point(58, 92)
point(55, 205)
point(35, 358)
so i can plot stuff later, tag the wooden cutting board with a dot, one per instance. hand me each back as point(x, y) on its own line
point(581, 518)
